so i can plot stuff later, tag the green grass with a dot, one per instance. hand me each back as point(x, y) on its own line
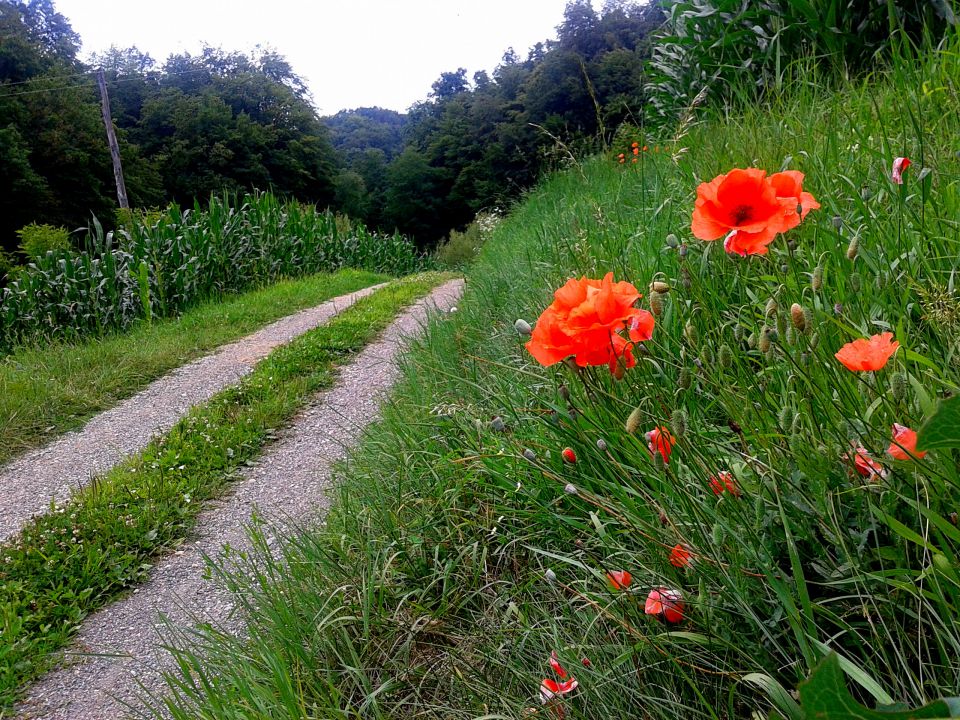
point(426, 593)
point(48, 389)
point(71, 561)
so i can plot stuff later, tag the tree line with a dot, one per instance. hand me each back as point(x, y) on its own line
point(222, 120)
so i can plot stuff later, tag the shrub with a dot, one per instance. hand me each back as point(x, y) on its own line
point(37, 240)
point(462, 247)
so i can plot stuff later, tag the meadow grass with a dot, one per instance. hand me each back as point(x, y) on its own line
point(49, 388)
point(79, 556)
point(461, 550)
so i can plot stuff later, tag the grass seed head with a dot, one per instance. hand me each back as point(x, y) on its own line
point(853, 249)
point(725, 356)
point(798, 317)
point(633, 420)
point(816, 279)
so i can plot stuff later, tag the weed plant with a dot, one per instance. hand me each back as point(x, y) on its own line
point(161, 267)
point(461, 549)
point(80, 555)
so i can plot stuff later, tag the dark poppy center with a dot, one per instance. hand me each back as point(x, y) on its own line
point(741, 214)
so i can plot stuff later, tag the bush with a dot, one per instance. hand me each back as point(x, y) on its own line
point(37, 240)
point(462, 247)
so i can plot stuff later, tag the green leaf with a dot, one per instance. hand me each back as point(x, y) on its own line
point(824, 696)
point(942, 429)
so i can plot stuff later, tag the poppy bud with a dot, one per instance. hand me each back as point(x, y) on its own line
point(853, 249)
point(684, 381)
point(678, 421)
point(564, 392)
point(522, 327)
point(798, 317)
point(865, 193)
point(569, 455)
point(784, 268)
point(497, 424)
point(691, 334)
point(671, 240)
point(685, 276)
point(683, 250)
point(602, 445)
point(725, 356)
point(550, 576)
point(706, 356)
point(771, 307)
point(898, 386)
point(752, 341)
point(658, 286)
point(808, 323)
point(816, 280)
point(633, 420)
point(764, 342)
point(855, 282)
point(738, 332)
point(837, 222)
point(529, 454)
point(571, 489)
point(656, 303)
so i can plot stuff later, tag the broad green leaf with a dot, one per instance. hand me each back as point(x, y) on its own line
point(824, 696)
point(942, 429)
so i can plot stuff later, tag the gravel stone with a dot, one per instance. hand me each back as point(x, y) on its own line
point(30, 482)
point(117, 655)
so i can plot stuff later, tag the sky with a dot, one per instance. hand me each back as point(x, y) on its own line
point(351, 53)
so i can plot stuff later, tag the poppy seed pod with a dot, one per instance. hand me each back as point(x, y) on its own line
point(658, 286)
point(522, 327)
point(691, 334)
point(798, 317)
point(853, 249)
point(633, 420)
point(678, 422)
point(671, 240)
point(816, 280)
point(725, 356)
point(656, 303)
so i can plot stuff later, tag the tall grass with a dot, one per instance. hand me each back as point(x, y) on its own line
point(156, 265)
point(461, 550)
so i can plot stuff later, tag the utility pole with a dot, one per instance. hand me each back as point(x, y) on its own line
point(112, 140)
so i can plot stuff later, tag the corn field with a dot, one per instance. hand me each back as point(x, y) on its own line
point(160, 264)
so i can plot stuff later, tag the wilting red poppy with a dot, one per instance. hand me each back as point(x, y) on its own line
point(899, 165)
point(864, 464)
point(550, 689)
point(863, 355)
point(680, 556)
point(585, 321)
point(665, 603)
point(660, 442)
point(620, 579)
point(904, 445)
point(724, 481)
point(555, 664)
point(748, 209)
point(569, 455)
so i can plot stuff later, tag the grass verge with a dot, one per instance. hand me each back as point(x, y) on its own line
point(76, 558)
point(461, 551)
point(51, 388)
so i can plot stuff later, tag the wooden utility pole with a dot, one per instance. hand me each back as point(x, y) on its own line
point(112, 140)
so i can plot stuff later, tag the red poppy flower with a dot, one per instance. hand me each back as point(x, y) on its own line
point(585, 321)
point(680, 556)
point(749, 209)
point(899, 165)
point(555, 664)
point(904, 445)
point(636, 151)
point(620, 157)
point(665, 603)
point(635, 144)
point(724, 481)
point(660, 441)
point(620, 579)
point(863, 355)
point(646, 147)
point(864, 464)
point(550, 689)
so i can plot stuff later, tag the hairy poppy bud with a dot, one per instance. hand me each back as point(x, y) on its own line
point(771, 307)
point(550, 576)
point(571, 489)
point(798, 317)
point(678, 422)
point(656, 303)
point(808, 323)
point(684, 381)
point(633, 420)
point(706, 356)
point(564, 392)
point(752, 341)
point(522, 327)
point(683, 250)
point(691, 334)
point(816, 280)
point(738, 332)
point(725, 356)
point(658, 286)
point(569, 455)
point(865, 193)
point(671, 240)
point(685, 276)
point(529, 454)
point(837, 222)
point(898, 386)
point(602, 445)
point(497, 424)
point(853, 249)
point(764, 342)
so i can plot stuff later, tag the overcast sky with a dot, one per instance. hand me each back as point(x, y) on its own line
point(352, 53)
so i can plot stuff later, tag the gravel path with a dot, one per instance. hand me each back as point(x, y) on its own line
point(117, 648)
point(30, 482)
